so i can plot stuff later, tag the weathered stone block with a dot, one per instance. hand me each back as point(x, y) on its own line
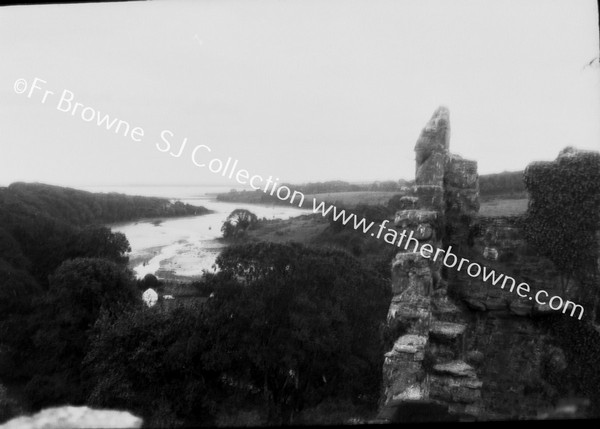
point(410, 344)
point(445, 310)
point(490, 253)
point(407, 218)
point(412, 393)
point(461, 173)
point(400, 372)
point(496, 304)
point(462, 200)
point(410, 262)
point(476, 304)
point(430, 197)
point(418, 280)
point(422, 232)
point(435, 137)
point(447, 331)
point(455, 389)
point(420, 327)
point(408, 203)
point(520, 308)
point(439, 352)
point(431, 171)
point(457, 368)
point(456, 394)
point(452, 381)
point(462, 394)
point(410, 310)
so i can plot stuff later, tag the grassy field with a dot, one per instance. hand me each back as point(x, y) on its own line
point(301, 229)
point(305, 229)
point(350, 199)
point(503, 207)
point(489, 207)
point(341, 199)
point(495, 207)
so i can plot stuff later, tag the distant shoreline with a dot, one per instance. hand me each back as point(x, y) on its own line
point(345, 199)
point(157, 220)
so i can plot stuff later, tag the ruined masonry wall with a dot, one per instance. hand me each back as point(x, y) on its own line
point(461, 349)
point(427, 361)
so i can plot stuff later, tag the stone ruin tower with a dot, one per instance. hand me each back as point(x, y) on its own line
point(425, 369)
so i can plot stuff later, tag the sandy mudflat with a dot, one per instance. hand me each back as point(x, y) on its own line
point(144, 256)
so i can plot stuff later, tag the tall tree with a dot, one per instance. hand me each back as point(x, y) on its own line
point(79, 290)
point(238, 222)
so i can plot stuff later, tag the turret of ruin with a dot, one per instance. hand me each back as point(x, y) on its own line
point(426, 365)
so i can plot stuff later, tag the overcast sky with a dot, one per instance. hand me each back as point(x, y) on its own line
point(303, 90)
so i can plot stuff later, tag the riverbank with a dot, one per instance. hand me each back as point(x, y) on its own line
point(305, 229)
point(302, 229)
point(157, 220)
point(181, 248)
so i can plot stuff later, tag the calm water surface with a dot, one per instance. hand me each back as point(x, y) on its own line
point(184, 246)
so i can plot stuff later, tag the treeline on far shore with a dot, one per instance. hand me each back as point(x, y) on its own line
point(84, 208)
point(43, 225)
point(508, 185)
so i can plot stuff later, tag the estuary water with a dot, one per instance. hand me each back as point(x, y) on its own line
point(184, 247)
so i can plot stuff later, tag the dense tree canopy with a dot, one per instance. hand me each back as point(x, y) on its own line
point(303, 323)
point(84, 208)
point(284, 326)
point(154, 364)
point(57, 272)
point(80, 290)
point(81, 287)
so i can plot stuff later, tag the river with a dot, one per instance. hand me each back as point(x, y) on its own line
point(184, 247)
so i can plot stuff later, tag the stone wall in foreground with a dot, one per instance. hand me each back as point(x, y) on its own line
point(426, 364)
point(462, 350)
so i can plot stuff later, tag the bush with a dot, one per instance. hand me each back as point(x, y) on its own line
point(302, 325)
point(150, 281)
point(153, 363)
point(564, 215)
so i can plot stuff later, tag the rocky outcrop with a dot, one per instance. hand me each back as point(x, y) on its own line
point(74, 417)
